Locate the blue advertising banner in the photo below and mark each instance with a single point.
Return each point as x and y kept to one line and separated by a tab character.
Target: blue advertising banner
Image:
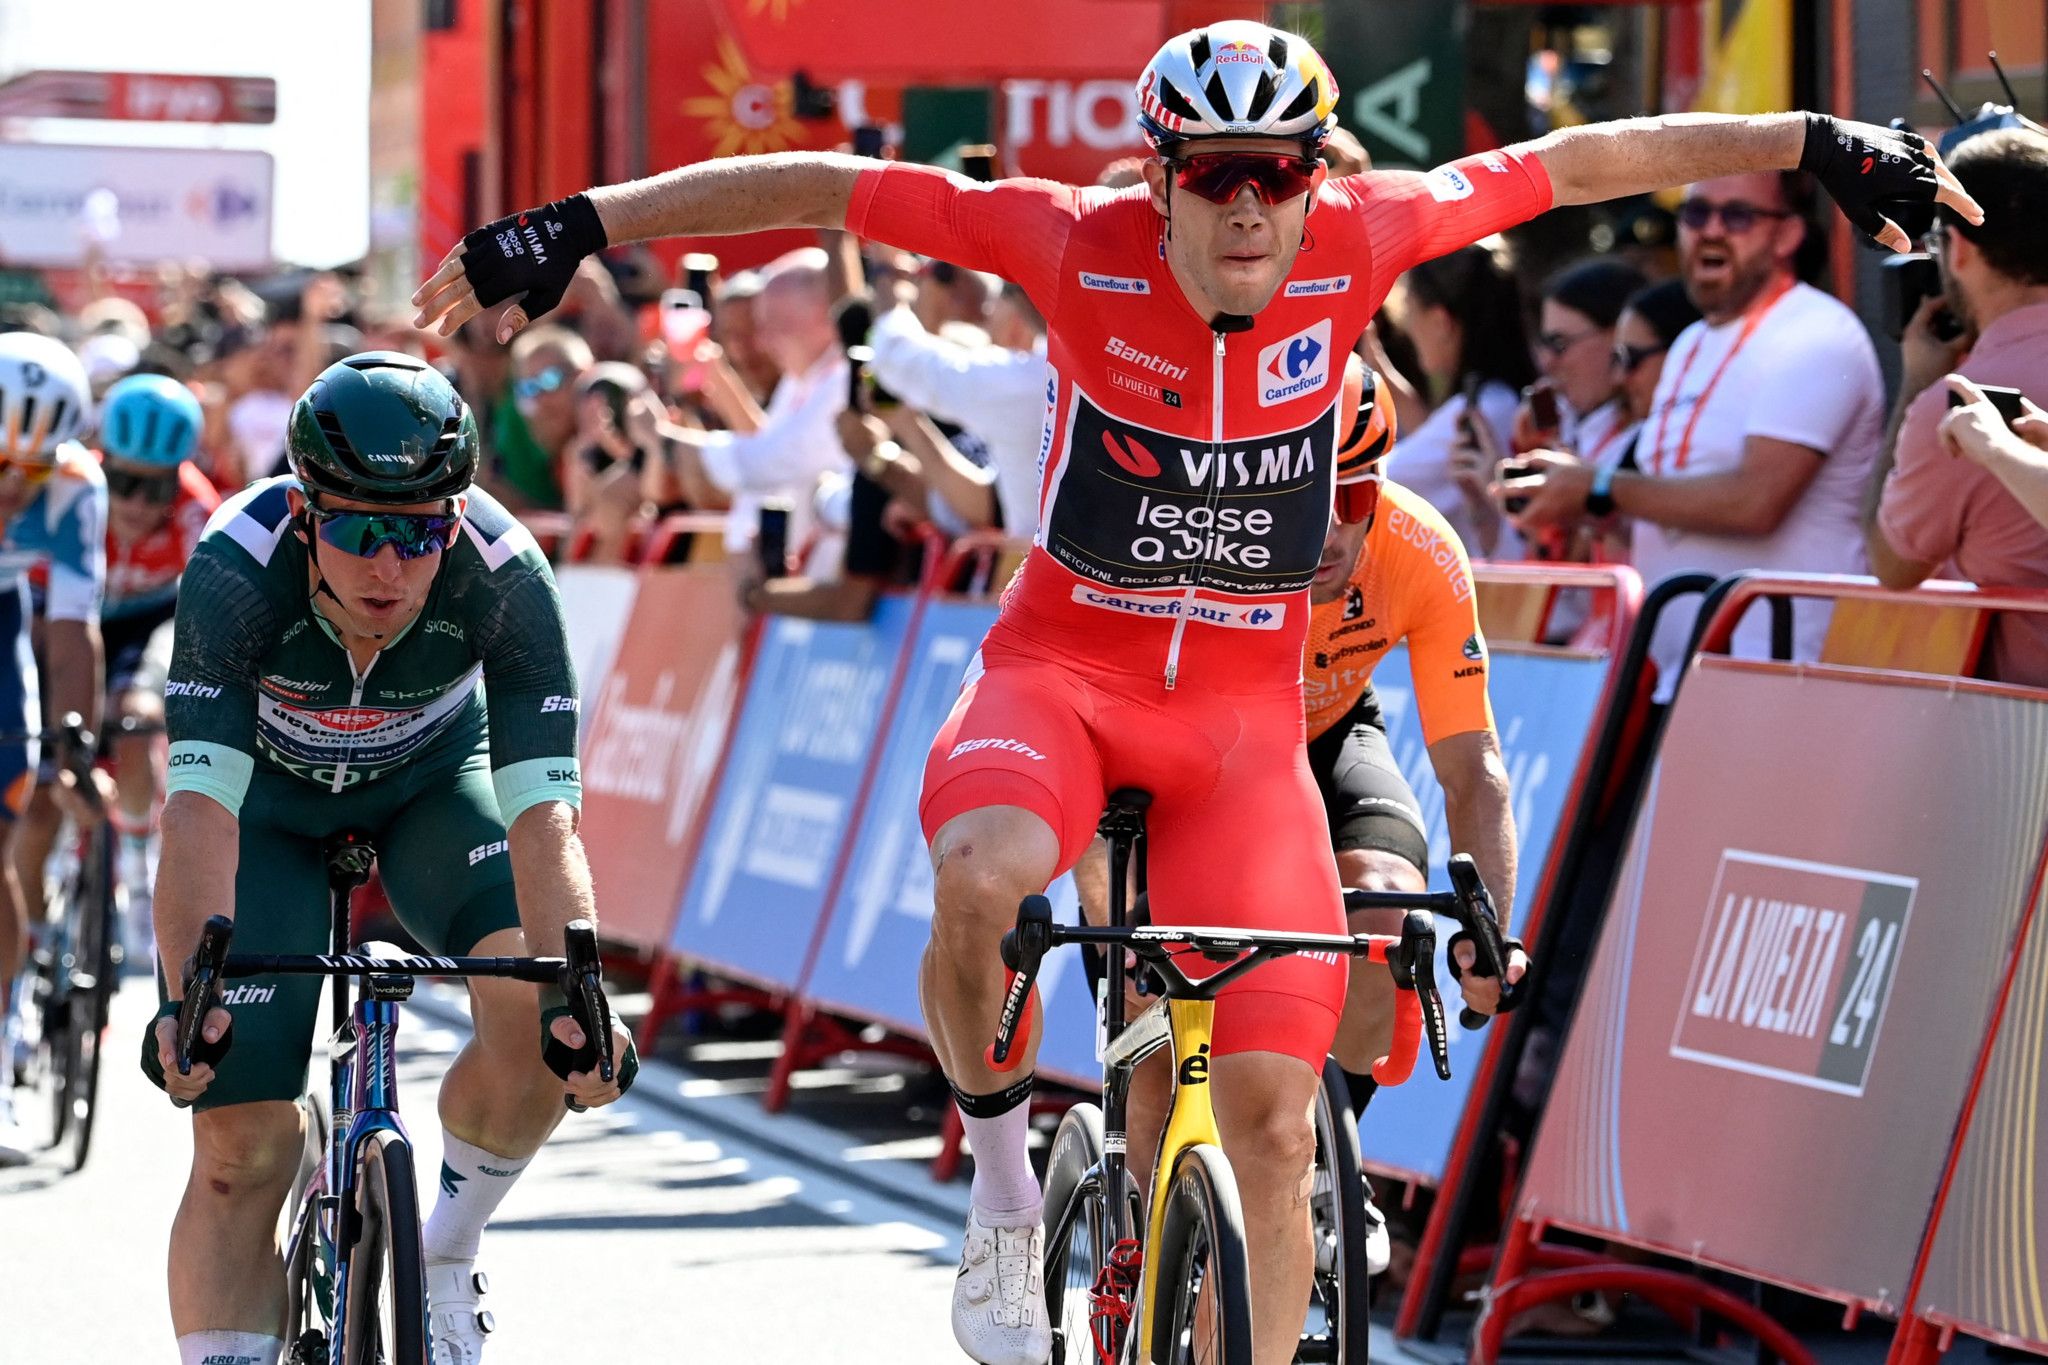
1543	707
812	712
882	917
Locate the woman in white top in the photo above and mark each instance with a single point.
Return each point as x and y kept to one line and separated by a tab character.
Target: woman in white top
1464	315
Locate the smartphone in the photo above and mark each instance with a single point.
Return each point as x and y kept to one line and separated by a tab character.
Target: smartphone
978	162
772	540
1543	407
700	271
857	358
1516	469
684	321
867	140
1908	280
2011	403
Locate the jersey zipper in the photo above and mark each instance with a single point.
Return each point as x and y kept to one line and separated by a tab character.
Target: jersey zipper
1187	600
355	700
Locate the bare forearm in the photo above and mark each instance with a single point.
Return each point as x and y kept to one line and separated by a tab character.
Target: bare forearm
968	489
1599	161
77	670
550	873
1482	824
732	195
2024	472
1722	504
196	877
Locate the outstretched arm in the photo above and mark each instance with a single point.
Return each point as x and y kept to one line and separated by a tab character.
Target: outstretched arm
1864	167
705	199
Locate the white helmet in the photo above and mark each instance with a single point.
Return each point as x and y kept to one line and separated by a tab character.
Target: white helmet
1237	78
45	398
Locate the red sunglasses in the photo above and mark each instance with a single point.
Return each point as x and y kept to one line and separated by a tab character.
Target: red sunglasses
1218	176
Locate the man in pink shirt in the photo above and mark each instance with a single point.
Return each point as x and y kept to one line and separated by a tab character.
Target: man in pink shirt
1938	513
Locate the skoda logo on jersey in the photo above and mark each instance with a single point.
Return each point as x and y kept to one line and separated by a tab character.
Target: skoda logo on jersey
1473	650
1296	366
1354	603
1130	456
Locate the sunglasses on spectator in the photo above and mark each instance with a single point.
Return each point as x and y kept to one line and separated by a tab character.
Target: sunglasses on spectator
1218	176
1628	359
1557	343
1735	215
31	471
533	386
160	489
414	535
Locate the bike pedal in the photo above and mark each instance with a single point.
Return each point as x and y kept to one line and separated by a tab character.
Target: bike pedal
486	1322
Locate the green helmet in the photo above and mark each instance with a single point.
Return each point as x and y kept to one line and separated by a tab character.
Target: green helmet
383	427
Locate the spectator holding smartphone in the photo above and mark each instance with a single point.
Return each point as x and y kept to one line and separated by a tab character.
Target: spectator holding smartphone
1932	512
1586	411
1763	430
1464	315
2016	452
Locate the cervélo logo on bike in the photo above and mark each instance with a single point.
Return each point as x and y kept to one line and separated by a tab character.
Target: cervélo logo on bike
1793	970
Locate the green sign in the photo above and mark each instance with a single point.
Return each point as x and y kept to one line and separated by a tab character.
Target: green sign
1400	73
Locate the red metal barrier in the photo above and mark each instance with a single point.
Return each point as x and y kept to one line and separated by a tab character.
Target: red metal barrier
1620	592
1919	1339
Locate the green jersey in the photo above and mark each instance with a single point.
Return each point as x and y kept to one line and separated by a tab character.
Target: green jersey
259	679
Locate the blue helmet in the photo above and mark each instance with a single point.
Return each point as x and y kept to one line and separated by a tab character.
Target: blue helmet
150	419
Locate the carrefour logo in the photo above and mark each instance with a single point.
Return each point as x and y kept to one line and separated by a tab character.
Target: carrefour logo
1294	367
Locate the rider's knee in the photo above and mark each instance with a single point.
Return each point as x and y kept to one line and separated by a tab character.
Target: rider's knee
1375	869
247	1149
1266	1118
976	893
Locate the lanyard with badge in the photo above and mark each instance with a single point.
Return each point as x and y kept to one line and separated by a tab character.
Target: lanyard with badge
1749	325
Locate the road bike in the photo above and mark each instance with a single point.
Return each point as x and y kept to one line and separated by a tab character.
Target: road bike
1160	1273
73	967
356	1291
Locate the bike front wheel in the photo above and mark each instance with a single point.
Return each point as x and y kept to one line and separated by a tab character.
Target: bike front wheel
89	990
1076	1228
385	1317
1339	1328
1202	1311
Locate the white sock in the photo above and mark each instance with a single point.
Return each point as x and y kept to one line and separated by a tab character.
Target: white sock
1005	1191
228	1348
473	1183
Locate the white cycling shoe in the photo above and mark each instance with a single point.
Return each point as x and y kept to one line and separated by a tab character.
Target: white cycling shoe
999	1315
457	1322
16	1148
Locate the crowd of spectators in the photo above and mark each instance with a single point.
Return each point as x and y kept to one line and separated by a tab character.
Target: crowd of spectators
1687	398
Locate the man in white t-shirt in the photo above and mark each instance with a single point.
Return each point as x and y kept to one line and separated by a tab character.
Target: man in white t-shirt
796	438
1763	431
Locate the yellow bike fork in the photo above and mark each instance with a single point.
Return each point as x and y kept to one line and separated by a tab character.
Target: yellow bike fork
1190	1119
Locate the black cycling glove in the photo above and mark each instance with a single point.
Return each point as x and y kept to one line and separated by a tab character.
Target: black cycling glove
203	1053
533	254
563	1059
1873	173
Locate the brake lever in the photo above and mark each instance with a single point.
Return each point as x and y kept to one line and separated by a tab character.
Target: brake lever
1418	945
583	984
208	962
1479	925
1024	949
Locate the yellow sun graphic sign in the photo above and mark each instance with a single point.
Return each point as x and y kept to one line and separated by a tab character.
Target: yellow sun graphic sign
777	10
744	114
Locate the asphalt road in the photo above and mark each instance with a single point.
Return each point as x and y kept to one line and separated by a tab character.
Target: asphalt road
682	1223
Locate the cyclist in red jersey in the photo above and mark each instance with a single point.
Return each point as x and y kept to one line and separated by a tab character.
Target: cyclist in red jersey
1198	326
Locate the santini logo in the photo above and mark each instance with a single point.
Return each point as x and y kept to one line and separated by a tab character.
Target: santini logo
1297	366
192	689
247	993
1114	284
1008	746
1145	360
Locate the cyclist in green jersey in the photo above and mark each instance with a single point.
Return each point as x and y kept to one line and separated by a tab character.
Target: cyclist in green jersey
371	644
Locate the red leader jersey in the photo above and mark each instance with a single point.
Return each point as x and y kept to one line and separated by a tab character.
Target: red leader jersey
1186	474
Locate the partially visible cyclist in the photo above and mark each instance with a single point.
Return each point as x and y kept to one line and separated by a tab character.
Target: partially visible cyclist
1154	636
369	643
53	508
157	506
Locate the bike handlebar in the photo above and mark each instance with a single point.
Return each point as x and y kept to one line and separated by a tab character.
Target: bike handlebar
1410	958
577	973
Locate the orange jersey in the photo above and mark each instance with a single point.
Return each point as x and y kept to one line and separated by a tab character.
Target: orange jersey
1412	582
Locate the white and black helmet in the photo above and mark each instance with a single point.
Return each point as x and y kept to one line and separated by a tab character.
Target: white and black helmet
45	398
1237	78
